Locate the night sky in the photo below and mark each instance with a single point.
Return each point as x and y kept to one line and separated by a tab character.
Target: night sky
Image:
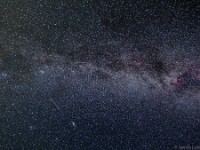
103	75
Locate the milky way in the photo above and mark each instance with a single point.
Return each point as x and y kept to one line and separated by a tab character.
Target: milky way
99	75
